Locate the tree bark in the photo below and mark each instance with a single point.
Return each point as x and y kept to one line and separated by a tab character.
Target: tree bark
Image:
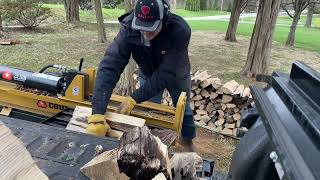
261	40
293	27
72	11
309	15
126	83
233	23
1	28
100	24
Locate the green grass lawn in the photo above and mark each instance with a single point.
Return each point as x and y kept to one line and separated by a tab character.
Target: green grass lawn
306	38
186	13
287	20
85	16
113	14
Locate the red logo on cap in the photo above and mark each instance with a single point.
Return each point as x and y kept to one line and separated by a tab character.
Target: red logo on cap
145	10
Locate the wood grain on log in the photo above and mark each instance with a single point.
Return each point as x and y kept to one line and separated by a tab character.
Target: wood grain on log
142	155
15	160
104	167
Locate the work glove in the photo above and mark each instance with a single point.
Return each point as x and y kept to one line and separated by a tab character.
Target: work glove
97	125
126	106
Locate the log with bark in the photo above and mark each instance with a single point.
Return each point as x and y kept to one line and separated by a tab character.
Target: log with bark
142	155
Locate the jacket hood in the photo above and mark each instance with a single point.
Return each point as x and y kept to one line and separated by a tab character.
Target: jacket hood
126	19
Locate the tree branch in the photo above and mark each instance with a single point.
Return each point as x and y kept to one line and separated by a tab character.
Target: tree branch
286	10
244	4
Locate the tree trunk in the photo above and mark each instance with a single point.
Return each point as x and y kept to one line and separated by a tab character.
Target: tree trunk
261	40
309	15
293	27
1	28
126	83
100	24
233	23
173	5
221	5
72	11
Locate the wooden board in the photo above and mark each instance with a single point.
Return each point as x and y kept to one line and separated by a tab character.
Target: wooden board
15	160
116	121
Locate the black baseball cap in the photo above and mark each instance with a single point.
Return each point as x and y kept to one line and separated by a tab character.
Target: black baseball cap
147	15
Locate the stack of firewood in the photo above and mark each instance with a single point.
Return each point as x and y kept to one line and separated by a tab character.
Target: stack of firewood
216	105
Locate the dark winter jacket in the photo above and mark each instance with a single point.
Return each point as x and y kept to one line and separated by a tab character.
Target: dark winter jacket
164	63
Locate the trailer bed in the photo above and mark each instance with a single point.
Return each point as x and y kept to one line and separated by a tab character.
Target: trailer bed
59	153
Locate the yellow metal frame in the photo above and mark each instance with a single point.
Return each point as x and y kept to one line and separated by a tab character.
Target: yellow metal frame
154	114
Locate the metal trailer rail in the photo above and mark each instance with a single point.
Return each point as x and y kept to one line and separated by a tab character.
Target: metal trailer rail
290	111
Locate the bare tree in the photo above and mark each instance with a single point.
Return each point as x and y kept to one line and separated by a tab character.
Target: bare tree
100	24
309	15
72	10
1	28
261	40
126	83
238	7
298	7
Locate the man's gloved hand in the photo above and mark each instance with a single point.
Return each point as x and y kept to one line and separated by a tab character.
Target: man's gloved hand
97	125
126	106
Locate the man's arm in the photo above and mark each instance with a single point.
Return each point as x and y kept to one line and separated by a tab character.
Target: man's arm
111	66
174	66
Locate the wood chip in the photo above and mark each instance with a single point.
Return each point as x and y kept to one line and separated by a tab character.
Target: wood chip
238	123
198	90
192	105
196	98
229	119
235	110
219	128
197	117
236	116
227	131
246	92
239	90
210	108
194	86
211	124
221	114
230	126
204	93
229	87
201	112
230	106
213	95
226	99
223	107
219	122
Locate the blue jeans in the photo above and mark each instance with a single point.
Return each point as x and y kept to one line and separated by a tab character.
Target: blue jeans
188	131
